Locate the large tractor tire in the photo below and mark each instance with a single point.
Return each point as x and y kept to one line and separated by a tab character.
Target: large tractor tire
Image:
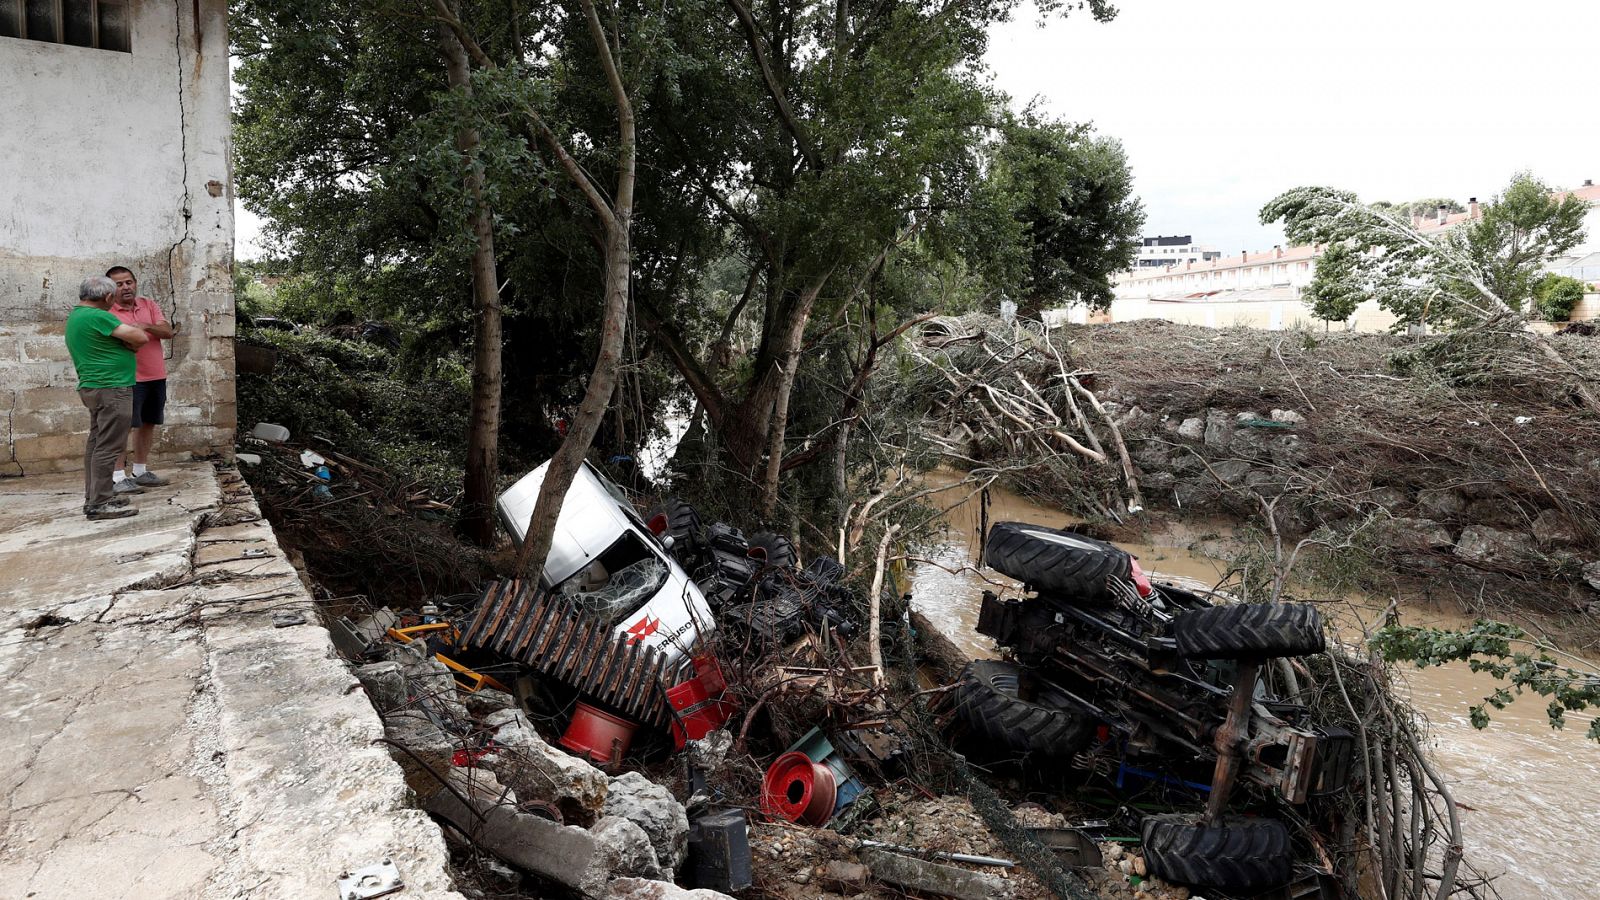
990	700
779	551
1250	631
683	526
1069	566
1243	855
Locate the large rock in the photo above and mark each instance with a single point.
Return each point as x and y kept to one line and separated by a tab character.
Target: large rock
1219	427
1193	429
1488	546
385	683
538	771
1233	472
1441	503
1412	535
622	850
427	678
1591	574
1494	511
429	750
653	808
1554	529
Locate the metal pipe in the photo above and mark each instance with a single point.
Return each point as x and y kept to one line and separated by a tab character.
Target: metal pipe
940	854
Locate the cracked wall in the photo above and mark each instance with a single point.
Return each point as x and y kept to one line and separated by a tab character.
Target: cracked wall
117	158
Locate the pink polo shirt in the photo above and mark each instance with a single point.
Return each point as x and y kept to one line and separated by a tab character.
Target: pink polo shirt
150	363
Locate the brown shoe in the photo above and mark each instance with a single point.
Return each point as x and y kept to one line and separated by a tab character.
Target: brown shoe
107	511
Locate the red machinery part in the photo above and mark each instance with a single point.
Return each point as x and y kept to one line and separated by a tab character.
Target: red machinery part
598	734
799	790
1141	581
698	703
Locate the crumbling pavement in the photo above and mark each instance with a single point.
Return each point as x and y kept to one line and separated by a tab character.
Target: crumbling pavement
167	737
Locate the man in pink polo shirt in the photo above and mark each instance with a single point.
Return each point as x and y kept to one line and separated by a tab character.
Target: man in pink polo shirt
150	380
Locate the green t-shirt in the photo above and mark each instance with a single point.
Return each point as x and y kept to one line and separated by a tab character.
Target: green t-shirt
102	361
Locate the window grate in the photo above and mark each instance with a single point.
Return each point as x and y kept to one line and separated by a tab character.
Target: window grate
99	24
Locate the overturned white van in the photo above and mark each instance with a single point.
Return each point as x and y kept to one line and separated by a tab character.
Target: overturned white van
606	558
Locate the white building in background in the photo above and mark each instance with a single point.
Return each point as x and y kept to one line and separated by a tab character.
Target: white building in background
1163	251
114	150
1261	289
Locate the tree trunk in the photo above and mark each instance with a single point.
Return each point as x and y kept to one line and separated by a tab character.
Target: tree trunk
483	428
788	358
617	220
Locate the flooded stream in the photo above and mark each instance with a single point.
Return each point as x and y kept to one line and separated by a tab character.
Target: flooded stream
1530	795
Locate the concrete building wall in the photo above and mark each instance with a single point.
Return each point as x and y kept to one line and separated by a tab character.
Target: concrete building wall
113	158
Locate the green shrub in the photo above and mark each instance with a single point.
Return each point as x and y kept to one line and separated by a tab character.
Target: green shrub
1557	296
366	402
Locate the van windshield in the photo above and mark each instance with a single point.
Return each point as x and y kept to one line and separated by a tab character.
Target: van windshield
618	581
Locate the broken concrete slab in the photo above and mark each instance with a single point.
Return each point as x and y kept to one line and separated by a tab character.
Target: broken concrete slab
644	889
538	771
477	805
933	878
622	850
165	739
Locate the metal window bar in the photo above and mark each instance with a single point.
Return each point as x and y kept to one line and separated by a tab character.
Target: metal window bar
52	21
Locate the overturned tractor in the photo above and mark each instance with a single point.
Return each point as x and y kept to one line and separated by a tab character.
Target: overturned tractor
1108	671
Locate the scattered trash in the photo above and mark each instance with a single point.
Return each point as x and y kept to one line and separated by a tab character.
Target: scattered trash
272	434
376	880
311	459
287	620
247	459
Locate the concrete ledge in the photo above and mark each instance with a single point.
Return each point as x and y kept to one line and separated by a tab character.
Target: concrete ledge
167	739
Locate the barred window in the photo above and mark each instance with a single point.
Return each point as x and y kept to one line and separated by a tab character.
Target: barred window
82	23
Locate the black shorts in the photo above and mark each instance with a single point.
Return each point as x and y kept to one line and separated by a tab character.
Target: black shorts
149	402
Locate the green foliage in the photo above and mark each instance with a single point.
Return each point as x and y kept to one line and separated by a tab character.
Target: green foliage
1557	295
1478	271
1490	647
1426	207
1071	194
365	403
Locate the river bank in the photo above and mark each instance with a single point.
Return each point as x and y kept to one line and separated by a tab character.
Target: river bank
1530	795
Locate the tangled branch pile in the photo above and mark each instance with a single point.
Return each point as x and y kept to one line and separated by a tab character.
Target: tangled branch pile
1009	392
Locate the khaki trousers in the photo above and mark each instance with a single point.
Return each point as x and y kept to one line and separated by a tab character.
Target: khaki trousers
110	414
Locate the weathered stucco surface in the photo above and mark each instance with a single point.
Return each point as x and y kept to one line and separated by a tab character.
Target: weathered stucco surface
116	158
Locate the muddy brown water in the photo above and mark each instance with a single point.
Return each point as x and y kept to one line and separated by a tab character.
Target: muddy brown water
1530	795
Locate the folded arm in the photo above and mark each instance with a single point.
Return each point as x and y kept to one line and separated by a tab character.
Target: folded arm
133	337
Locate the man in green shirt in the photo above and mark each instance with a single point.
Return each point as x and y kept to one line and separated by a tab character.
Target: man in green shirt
102	351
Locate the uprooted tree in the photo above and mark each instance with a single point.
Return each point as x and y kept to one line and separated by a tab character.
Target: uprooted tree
1480	273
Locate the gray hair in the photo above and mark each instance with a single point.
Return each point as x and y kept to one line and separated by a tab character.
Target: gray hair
96	287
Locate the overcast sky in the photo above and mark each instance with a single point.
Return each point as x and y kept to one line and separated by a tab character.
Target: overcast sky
1224	104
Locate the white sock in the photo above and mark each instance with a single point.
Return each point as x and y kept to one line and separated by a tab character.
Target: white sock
118	475
139	469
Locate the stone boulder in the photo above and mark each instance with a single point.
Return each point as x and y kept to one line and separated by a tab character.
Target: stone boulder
653	808
1412	535
1489	546
1441	503
1554	529
385	683
1591	574
1193	429
622	850
538	771
1219	427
